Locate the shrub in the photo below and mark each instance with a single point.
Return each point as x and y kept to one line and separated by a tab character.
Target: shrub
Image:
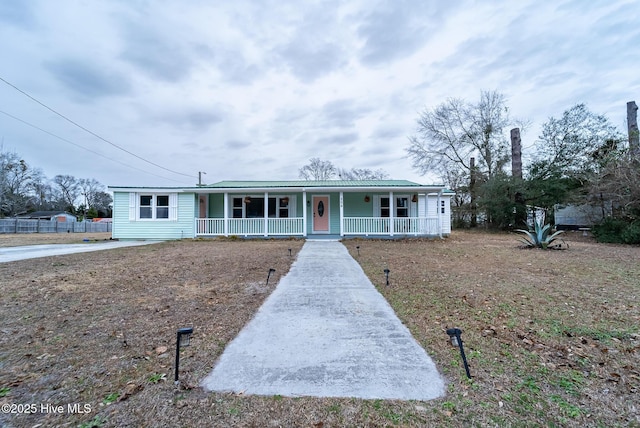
617	231
540	237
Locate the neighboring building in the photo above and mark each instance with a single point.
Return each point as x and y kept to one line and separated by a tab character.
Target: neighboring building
573	217
60	216
333	208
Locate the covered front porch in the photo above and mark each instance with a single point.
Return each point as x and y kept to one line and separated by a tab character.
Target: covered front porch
320	212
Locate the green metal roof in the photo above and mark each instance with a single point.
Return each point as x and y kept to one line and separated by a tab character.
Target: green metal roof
313	183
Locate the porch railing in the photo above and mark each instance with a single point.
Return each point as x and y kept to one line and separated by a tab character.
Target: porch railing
249	226
381	226
417	226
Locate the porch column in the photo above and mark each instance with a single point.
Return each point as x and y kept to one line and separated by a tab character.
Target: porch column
304	213
439	208
341	213
225	214
266	214
392	209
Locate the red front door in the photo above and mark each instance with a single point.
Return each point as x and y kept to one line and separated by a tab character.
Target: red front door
321	214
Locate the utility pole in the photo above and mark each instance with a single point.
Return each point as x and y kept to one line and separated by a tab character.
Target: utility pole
200	177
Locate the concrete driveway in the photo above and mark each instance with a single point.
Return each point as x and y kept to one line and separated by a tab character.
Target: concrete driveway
10	254
326	332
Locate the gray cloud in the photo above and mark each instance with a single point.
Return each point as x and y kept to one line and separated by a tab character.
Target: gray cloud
339	139
397	29
17	13
155	53
308	59
317	45
342	113
88	80
237	144
197	120
234	67
387	133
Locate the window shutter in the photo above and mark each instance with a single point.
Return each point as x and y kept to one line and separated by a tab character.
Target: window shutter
133	206
173	206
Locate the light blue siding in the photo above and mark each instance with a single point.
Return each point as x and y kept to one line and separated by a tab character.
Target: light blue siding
183	227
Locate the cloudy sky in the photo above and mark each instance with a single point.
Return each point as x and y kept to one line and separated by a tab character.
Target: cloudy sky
254	89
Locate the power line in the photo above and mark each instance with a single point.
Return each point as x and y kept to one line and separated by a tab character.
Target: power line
91	132
82	147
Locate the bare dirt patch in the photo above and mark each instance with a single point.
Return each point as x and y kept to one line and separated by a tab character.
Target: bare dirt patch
551	336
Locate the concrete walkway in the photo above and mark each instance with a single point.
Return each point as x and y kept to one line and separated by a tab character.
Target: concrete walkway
325	331
11	254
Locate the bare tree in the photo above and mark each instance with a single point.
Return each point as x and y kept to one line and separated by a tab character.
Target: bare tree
573	145
318	169
89	188
68	191
15	184
362	174
452	133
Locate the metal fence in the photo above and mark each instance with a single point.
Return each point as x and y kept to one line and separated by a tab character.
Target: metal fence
15	225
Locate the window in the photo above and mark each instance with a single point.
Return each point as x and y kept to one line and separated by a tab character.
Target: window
237	208
253	207
162	206
402	206
283	208
442	207
384	207
153	207
146	206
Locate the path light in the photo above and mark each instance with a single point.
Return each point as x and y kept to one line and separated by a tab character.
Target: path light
456	340
271	270
183	338
289	252
358	248
386	273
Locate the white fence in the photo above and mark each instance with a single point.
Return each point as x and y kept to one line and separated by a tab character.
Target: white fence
15	225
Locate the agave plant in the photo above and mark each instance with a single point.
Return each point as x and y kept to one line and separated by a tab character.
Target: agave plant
541	236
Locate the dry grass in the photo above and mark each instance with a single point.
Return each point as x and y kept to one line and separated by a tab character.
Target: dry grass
16	239
551	336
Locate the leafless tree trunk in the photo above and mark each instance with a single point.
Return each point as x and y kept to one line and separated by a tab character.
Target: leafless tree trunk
472	192
632	125
516	154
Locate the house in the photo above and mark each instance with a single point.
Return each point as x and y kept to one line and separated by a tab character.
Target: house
60	216
310	209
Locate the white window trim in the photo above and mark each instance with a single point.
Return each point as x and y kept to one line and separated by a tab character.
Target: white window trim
134	206
292	204
411	208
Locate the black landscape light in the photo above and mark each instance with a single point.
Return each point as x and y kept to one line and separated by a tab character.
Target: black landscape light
456	340
386	273
358	248
183	338
289	252
271	270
